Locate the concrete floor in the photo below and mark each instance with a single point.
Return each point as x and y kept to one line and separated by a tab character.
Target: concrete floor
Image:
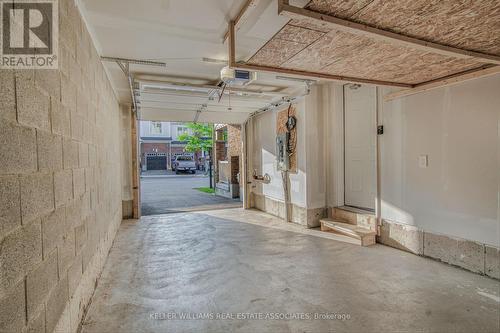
173	194
233	262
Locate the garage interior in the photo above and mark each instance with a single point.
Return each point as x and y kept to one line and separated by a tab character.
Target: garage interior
369	169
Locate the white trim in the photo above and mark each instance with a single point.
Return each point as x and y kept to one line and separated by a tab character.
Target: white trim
338	145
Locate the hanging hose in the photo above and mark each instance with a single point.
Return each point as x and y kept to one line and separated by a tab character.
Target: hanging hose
290	150
284	178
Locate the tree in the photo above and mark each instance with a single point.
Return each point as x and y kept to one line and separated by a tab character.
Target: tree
200	139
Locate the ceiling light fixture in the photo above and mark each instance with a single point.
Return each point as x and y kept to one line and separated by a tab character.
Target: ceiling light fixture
296	79
214	61
135	61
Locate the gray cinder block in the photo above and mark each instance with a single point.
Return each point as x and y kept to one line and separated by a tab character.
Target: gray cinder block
32	103
75	271
68	93
54	229
66	253
63	187
76	126
83	153
10	209
459	252
403	237
80	237
13	313
492	261
470	255
37	324
440	247
49	80
19	252
7	94
56	303
13	140
37	196
49	147
78	182
60	118
39	283
70	153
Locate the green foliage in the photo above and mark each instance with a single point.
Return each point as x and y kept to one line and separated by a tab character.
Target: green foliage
205	189
201	139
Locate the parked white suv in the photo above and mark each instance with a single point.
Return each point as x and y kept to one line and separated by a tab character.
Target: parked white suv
184	163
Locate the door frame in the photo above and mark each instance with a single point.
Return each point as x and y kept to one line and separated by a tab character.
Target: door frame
136	172
338	140
376	147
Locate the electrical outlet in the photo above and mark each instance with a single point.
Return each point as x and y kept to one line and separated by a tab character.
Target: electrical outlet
423	161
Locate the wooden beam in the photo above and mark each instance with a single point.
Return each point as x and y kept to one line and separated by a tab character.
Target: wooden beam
323	76
482	71
231	45
241	14
336	23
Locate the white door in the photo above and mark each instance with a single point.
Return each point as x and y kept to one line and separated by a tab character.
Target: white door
360	130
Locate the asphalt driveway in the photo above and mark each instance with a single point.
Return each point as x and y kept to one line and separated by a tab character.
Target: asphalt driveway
173	194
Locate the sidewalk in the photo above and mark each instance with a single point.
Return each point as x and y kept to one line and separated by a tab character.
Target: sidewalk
170	173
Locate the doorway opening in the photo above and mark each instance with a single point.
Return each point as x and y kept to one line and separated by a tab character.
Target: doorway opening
184	167
360	146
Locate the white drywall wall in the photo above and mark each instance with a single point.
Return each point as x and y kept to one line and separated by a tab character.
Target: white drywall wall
457	127
264	157
315	148
126	151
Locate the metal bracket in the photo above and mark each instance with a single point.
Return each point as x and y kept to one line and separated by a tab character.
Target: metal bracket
380	129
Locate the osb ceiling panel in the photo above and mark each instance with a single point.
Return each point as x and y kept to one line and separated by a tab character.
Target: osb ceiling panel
342	9
353	55
307	45
467	24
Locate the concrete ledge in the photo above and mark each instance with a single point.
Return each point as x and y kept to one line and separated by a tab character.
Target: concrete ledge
492	261
400	236
467	254
300	215
459	252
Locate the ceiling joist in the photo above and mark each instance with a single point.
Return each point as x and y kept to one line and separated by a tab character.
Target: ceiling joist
244	12
486	70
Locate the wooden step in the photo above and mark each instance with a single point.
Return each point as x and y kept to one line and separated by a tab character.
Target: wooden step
366	237
355	216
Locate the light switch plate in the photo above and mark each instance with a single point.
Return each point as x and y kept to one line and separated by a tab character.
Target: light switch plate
423	161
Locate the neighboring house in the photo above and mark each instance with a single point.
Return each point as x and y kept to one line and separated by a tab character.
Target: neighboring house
160	144
227	160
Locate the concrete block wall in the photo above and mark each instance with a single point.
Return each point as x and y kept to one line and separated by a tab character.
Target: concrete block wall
467	254
60	194
233	140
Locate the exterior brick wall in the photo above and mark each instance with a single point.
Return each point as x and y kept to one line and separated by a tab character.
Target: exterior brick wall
164	148
60	192
234	150
155	148
233	140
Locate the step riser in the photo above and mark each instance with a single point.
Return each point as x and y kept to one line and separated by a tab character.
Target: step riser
362	220
364	240
367	241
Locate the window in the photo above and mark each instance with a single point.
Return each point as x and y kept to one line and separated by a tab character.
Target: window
181	130
155	127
